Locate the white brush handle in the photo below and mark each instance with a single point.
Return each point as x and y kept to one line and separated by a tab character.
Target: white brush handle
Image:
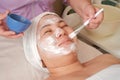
74	33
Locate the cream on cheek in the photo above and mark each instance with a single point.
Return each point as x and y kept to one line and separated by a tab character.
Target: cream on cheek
49	45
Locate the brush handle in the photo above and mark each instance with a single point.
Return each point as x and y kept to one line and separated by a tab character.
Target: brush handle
73	34
98	12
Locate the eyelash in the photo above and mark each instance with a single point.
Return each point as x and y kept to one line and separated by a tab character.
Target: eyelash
47	31
64	26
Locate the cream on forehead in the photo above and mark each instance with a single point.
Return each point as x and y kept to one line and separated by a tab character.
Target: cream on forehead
50	21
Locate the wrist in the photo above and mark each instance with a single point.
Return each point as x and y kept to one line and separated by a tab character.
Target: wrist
66	1
82	3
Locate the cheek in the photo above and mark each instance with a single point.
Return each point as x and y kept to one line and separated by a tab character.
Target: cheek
47	42
40	52
69	30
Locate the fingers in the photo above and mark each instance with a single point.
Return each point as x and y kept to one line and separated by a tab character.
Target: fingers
93	26
6	13
3	15
95	22
0	22
11	34
15	36
4	31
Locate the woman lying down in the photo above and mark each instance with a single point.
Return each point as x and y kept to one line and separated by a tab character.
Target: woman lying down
48	48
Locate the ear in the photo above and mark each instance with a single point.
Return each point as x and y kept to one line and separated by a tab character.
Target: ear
43	64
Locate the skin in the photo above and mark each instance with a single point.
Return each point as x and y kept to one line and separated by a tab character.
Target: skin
83	7
68	67
4	31
86	10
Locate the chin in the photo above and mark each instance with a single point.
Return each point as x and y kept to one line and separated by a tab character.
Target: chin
69	49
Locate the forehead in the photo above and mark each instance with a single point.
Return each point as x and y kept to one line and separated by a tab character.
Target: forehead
49	19
49	16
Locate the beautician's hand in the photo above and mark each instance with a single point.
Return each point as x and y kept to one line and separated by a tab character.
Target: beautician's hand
86	10
4	31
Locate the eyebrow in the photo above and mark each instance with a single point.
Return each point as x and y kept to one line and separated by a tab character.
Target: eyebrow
50	24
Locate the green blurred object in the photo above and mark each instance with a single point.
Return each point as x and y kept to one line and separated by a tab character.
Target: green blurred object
71	11
105	2
108	2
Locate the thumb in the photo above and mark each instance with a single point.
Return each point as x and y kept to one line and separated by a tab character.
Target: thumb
8	33
91	13
4	15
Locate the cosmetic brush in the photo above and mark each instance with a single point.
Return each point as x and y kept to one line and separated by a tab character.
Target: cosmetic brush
74	33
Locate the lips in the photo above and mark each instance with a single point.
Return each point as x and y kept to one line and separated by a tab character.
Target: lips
64	41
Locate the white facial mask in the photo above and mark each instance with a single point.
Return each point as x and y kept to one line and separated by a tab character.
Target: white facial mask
51	21
49	45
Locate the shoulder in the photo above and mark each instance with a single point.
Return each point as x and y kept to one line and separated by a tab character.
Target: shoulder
108	57
105	59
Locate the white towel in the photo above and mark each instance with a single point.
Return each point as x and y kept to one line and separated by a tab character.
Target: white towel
30	43
110	73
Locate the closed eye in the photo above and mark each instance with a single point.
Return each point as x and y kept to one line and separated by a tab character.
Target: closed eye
64	26
47	31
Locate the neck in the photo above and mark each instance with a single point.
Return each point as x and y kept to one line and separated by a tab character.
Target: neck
60	71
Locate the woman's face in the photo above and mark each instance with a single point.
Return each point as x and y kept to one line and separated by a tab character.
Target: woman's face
53	36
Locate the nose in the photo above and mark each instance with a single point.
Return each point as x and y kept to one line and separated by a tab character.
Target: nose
59	32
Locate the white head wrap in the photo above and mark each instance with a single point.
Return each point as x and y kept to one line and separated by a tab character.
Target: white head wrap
30	43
